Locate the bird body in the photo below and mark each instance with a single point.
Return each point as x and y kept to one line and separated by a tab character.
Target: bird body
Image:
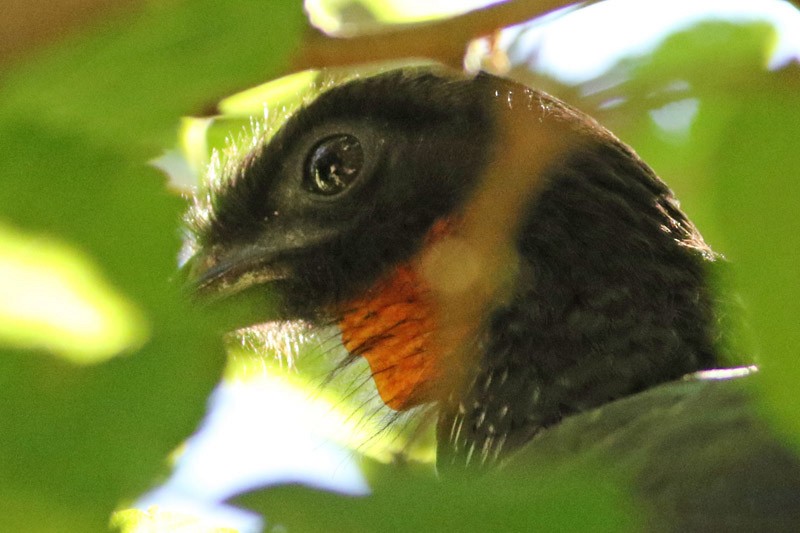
693	453
487	249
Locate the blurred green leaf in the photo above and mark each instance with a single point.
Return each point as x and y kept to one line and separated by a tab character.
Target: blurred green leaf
551	499
53	299
78	125
757	167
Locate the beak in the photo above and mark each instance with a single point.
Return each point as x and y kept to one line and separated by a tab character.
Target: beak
237	285
225	272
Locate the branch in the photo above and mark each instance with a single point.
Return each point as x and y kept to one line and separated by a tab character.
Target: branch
444	41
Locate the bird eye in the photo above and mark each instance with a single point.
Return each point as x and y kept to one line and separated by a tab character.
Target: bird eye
334	163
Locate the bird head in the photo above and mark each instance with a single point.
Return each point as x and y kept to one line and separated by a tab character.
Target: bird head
484	246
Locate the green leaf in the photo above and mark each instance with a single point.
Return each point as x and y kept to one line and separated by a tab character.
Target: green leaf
758	170
552	499
78	124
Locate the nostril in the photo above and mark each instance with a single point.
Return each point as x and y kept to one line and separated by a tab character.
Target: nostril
192	273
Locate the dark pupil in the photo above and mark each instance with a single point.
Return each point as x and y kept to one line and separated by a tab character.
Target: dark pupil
333	164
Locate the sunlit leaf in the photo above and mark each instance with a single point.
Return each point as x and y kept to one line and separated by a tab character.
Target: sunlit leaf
78	124
51	298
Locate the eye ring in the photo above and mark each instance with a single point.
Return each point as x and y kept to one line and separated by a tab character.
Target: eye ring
333	164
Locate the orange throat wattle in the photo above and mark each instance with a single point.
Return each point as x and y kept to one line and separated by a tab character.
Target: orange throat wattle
393	328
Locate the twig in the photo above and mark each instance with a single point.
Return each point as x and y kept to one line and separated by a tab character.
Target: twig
444	41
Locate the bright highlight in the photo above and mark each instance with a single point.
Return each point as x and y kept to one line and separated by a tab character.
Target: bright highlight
53	299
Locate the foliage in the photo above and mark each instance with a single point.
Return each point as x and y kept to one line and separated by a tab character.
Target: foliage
79	123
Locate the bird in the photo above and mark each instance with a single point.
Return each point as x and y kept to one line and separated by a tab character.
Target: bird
495	253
